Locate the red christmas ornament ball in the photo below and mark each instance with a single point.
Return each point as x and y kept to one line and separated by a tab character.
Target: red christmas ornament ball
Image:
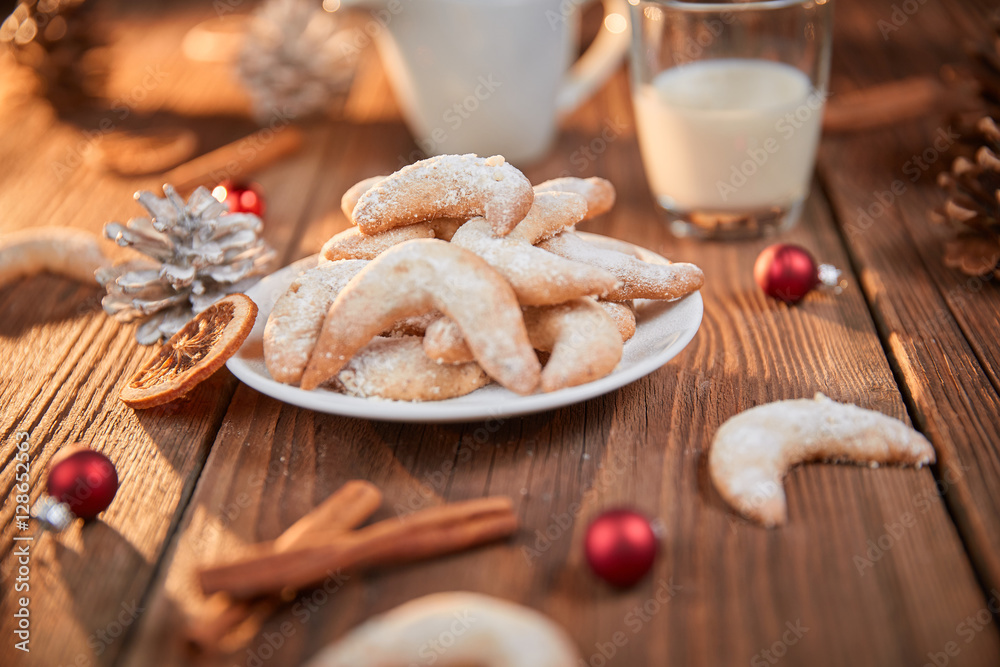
620	546
786	271
241	197
83	479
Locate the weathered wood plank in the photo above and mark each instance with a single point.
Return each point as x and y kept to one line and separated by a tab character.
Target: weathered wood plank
727	588
731	587
938	324
65	361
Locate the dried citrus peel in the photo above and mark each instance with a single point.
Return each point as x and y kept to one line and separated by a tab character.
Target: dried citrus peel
193	353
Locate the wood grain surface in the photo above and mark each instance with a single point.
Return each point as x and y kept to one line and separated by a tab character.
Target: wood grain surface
874	567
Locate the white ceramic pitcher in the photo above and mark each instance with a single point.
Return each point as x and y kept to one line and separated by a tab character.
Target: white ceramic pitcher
491	76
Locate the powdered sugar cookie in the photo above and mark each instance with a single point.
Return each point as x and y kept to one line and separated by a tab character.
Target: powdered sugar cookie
297	318
443	228
538	277
398	369
412	326
584	341
413	278
447	186
74	253
753	451
624	247
350	198
494	633
599	193
637	279
352	244
445	344
551	213
623	314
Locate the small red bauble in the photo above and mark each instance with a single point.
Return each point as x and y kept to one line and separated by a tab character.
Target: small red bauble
83	479
620	546
787	272
241	197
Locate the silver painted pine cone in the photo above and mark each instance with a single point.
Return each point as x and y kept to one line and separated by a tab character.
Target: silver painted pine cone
199	253
296	59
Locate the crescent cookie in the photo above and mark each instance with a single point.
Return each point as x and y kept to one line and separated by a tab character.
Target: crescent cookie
753	451
623	313
412	326
637	279
447	186
584	341
297	318
73	253
350	198
538	277
551	213
624	247
413	278
445	344
599	193
398	369
352	244
490	632
444	228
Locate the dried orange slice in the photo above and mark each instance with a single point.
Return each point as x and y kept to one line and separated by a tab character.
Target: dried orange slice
193	353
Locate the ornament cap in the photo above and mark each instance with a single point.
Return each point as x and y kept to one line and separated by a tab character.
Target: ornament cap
829	278
52	514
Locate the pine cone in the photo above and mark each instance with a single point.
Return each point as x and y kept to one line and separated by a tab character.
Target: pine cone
973	206
295	59
57	39
986	60
200	253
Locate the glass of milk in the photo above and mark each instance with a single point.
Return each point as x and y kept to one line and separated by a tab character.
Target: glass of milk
729	99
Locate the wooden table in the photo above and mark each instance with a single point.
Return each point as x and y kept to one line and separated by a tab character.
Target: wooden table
874	567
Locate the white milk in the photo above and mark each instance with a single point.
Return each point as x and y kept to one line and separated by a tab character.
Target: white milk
729	135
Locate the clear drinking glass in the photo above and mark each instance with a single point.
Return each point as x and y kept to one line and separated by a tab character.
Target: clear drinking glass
729	99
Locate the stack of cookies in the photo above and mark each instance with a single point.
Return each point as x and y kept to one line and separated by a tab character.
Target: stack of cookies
457	273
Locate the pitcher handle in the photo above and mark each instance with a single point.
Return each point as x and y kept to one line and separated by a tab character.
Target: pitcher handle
600	60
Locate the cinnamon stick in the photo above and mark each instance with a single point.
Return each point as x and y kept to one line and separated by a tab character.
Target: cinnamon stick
345	509
893	102
237	159
431	532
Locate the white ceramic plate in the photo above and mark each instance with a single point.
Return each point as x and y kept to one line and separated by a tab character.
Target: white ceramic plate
662	331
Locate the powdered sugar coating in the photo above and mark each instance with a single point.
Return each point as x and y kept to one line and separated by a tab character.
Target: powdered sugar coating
350	198
538	277
490	633
599	193
753	451
624	247
551	213
447	186
623	313
445	344
74	253
637	279
398	369
413	278
297	318
352	244
584	341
